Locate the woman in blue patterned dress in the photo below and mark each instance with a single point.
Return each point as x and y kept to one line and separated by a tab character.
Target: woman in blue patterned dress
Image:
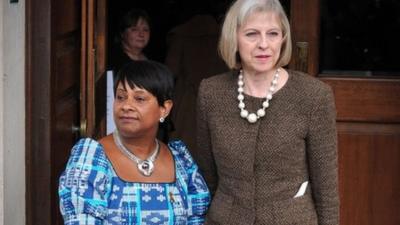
129	177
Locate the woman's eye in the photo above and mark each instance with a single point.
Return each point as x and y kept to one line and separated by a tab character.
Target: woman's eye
140	98
251	34
274	33
120	97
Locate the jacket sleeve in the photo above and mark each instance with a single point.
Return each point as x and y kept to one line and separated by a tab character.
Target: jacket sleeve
83	185
322	158
205	159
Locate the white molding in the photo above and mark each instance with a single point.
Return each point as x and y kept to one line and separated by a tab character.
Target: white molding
1	119
13	107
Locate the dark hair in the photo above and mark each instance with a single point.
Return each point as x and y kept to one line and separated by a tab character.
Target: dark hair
152	76
131	18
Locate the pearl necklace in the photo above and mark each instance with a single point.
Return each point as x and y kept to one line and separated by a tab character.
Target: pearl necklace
253	117
146	166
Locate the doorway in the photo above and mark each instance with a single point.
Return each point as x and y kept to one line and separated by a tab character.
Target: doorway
164	16
368	107
64	78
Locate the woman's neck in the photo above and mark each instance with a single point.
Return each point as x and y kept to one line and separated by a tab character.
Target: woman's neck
257	84
133	53
141	147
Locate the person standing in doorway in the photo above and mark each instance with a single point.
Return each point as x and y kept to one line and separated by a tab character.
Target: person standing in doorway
130	176
266	134
132	38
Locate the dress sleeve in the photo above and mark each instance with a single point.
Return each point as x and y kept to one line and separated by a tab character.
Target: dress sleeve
322	158
83	185
198	195
206	158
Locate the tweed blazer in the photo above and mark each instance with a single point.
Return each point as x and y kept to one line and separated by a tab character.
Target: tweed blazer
255	170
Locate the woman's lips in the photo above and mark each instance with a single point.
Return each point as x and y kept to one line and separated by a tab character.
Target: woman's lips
127	118
263	56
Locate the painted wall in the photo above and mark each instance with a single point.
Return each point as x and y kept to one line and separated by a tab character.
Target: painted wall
12	106
1	119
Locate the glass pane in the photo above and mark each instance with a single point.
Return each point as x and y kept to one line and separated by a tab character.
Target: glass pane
360	37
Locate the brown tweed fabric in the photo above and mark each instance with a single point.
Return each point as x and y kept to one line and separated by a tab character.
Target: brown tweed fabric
255	170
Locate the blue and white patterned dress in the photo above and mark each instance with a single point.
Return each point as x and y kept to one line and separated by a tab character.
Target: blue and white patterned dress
91	193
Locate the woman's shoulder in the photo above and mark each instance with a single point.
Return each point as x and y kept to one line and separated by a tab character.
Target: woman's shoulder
87	145
178	147
308	82
87	150
85	183
180	152
218	84
309	90
219	78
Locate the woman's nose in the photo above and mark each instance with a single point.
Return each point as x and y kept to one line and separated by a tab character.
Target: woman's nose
141	33
128	105
263	42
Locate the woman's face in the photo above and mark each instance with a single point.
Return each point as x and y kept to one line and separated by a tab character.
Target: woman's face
137	36
259	42
136	111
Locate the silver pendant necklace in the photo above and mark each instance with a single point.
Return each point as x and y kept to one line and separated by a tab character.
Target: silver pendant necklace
253	117
145	167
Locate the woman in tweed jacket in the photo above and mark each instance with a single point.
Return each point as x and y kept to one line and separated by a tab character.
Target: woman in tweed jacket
267	134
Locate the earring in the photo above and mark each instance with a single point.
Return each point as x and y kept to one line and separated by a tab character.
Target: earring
162	119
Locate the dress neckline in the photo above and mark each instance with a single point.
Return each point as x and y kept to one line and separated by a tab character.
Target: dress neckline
277	93
114	172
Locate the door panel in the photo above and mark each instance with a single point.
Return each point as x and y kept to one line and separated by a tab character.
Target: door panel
65	85
368	119
366	99
369	164
67	19
58	96
93	69
66	64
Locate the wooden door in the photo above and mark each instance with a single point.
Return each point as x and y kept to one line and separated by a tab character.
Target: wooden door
368	122
65	62
93	67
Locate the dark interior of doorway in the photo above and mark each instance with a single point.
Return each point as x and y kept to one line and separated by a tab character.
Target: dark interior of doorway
165	15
